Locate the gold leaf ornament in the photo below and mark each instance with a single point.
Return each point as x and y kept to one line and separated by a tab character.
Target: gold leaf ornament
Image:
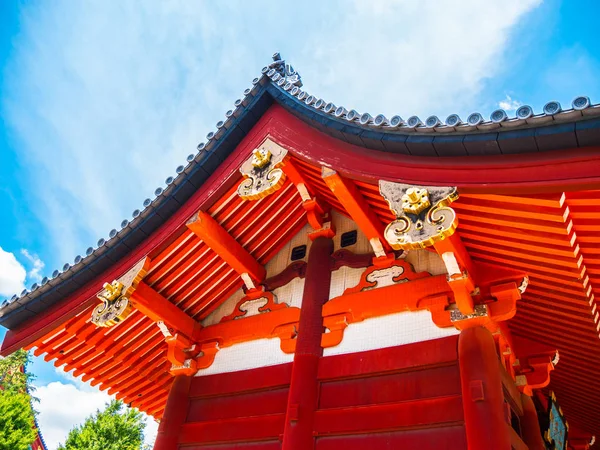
114	308
423	216
262	172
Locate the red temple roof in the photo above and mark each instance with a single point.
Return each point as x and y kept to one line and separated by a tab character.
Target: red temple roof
521	206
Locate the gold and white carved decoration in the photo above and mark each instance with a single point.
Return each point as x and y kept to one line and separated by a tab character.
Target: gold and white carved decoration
479	311
385	277
524	284
255	302
262	171
423	216
394	272
116	306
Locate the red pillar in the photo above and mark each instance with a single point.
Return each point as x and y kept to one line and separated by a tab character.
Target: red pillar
303	395
483	398
530	426
174	415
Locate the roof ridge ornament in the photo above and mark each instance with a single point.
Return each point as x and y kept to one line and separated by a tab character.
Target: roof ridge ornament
286	71
423	216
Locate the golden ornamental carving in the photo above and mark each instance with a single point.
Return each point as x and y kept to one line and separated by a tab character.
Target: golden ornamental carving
116	306
423	216
415	200
262	172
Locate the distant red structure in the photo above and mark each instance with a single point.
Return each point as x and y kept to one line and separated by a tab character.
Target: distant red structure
316	278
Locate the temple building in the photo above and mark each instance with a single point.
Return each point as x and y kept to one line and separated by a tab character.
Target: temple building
318	278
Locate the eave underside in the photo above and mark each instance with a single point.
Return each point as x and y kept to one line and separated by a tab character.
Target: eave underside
551	236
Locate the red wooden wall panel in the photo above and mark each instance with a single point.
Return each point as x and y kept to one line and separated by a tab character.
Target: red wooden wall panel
244	410
265	445
447	438
434	352
394	387
388	416
258	403
399	397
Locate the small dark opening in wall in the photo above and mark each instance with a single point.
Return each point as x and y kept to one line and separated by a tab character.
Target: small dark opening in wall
348	238
298	252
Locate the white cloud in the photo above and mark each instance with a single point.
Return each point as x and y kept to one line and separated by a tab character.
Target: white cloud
509	104
108	98
12	274
65	405
35	273
406	57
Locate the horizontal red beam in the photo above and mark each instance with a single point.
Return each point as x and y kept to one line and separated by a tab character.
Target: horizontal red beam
441	438
403	415
238	429
405	357
241	381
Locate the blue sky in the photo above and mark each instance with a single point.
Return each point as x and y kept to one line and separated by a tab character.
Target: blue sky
99	103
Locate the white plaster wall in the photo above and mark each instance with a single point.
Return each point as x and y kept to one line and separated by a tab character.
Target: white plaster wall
389	331
224	309
342	279
247	355
283	258
426	261
344	224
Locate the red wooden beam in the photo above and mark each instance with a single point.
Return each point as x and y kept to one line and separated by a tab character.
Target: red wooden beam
159	309
224	245
354	203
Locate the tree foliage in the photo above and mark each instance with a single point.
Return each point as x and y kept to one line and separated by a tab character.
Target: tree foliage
16	414
111	429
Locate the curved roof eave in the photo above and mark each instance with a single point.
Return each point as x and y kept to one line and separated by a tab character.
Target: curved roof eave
555	129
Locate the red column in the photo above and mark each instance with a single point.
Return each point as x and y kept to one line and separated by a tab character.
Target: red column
303	395
530	426
174	415
483	398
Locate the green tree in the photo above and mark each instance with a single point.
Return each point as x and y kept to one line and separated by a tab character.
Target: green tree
16	413
111	429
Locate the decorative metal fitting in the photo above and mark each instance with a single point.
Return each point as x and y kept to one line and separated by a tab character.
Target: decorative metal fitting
262	172
479	311
114	308
261	157
423	216
415	200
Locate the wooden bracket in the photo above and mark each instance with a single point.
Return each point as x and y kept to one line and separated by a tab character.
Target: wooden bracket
281	323
179	350
392	286
533	364
258	299
386	290
358	209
